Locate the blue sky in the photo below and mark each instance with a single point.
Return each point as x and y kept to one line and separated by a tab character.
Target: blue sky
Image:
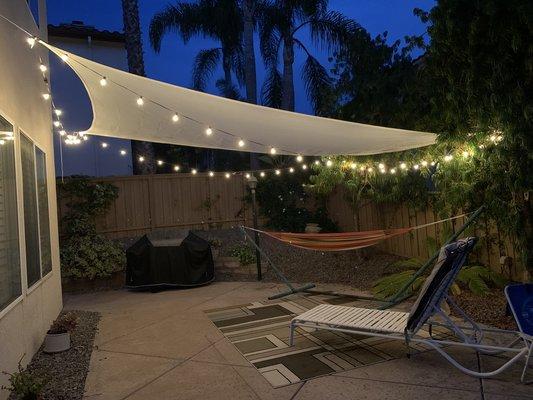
173	64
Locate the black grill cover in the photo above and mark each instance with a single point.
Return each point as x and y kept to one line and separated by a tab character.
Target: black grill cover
182	261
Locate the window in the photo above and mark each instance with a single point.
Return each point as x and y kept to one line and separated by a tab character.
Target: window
10	285
36	218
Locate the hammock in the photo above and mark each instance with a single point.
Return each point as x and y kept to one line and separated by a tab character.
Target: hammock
343	241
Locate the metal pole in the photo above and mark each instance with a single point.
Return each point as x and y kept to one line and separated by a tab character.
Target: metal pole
256	236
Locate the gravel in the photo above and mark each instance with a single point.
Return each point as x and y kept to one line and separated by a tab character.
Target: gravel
65	372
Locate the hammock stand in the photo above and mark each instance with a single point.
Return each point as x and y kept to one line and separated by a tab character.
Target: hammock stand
399	297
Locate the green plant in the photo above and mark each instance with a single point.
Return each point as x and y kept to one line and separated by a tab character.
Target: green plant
64	323
84	252
25	385
244	253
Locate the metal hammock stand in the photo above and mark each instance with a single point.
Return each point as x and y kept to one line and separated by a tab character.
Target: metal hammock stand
399	297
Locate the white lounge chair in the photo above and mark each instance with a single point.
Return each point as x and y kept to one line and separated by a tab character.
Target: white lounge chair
405	326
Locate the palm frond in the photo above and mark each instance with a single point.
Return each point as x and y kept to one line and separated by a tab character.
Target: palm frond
238	65
318	84
228	90
332	30
270	28
272	89
205	63
162	23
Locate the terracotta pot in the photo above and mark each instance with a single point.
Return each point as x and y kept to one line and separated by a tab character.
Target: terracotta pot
56	342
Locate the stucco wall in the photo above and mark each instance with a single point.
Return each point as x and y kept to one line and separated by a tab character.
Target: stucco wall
87	158
24	322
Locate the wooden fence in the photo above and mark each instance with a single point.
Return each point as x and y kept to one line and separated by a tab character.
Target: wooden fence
183	201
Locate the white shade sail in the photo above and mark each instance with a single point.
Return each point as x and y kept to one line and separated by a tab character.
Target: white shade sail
116	113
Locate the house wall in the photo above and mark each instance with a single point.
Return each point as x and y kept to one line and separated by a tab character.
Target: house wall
87	158
24	322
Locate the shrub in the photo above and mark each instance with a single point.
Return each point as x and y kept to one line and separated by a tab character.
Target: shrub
25	385
64	323
244	253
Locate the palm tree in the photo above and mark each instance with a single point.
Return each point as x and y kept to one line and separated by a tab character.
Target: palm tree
134	51
220	20
281	22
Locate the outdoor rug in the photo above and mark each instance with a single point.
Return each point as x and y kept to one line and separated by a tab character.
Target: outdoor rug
260	331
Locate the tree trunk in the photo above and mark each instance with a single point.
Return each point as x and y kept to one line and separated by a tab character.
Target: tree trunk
133	43
250	74
287	100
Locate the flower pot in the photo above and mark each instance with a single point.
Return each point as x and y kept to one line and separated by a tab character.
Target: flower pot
56	342
215	253
312	228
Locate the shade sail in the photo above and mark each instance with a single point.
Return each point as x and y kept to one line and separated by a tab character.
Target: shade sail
117	114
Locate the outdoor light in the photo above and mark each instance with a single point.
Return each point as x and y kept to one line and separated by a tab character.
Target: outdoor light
177	168
381	166
43	67
241	143
57	123
299	158
278	172
362	168
175	118
432	163
31	41
448	157
317	162
247	176
85	137
122	152
304	166
416	166
465	154
383	170
403	166
2	142
329	163
262	175
194	171
211	174
370	169
64	57
353	165
227	175
159	162
58	112
103	81
104	145
393	171
209	131
46	96
273	150
141	159
62	132
291	170
424	163
140	101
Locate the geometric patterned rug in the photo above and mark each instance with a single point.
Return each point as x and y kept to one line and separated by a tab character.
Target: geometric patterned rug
260	332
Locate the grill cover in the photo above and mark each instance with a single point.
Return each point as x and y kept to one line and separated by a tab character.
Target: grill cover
185	260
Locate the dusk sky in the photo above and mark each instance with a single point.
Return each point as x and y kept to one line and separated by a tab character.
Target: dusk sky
173	64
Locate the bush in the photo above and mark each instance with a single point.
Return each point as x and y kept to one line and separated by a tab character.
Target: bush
24	385
64	323
85	253
244	253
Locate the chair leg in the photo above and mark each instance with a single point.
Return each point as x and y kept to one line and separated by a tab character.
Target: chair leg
526	366
291	336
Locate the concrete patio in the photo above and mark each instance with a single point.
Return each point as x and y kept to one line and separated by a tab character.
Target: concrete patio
162	346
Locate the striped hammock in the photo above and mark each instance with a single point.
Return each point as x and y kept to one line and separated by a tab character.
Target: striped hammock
346	240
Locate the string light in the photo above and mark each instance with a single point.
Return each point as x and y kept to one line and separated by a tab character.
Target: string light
362	168
262	174
370	169
141	159
194	171
424	163
247	176
85	137
31	41
104	145
177	168
140	101
57	124
211	174
393	171
209	131
46	96
58	112
103	81
159	162
448	157
278	172
381	166
175	118
122	152
227	175
299	158
241	143
304	167
291	170
317	162
273	150
416	167
43	67
2	142
62	132
329	163
353	165
403	166
465	154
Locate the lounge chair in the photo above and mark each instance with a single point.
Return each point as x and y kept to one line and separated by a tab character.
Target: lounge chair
405	326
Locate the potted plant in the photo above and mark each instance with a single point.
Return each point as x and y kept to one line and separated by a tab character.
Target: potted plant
58	336
23	385
215	247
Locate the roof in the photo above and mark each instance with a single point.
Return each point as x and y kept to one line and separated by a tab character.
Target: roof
78	30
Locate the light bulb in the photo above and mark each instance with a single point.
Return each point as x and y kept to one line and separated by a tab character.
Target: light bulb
424	163
43	67
448	157
393	171
227	175
403	165
194	171
211	174
58	112
262	174
176	168
31	41
122	152
353	165
362	168
370	169
273	150
299	158
140	101
381	166
329	163
383	170
175	118
64	57
104	145
278	172
62	132
209	131
57	123
465	154
103	81
46	96
241	143
159	162
141	159
291	170
432	163
304	167
247	176
85	137
416	166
